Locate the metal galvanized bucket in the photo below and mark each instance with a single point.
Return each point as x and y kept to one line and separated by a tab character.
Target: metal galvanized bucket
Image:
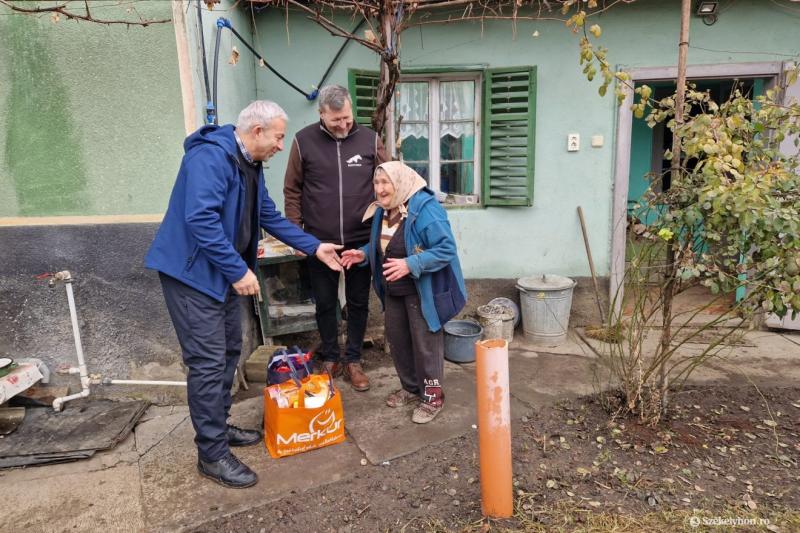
546	301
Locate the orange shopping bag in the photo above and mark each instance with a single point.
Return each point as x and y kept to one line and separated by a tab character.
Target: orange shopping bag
292	427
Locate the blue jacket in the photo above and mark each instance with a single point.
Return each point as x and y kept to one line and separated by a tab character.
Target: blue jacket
195	241
431	247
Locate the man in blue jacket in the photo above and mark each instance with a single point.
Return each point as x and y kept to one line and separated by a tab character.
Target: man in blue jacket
205	252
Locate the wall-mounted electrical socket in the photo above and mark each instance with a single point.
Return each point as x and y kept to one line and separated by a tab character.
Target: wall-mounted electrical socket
573	142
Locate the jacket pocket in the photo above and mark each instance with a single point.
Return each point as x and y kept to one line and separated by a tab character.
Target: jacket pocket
447	297
445	306
192	258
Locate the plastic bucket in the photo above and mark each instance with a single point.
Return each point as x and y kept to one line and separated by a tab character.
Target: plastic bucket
460	337
546	302
497	321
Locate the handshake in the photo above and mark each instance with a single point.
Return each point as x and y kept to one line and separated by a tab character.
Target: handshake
393	268
352	257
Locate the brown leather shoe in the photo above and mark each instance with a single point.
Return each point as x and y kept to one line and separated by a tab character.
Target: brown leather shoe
354	373
332	367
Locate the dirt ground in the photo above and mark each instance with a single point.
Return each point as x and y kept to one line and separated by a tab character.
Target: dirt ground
725	454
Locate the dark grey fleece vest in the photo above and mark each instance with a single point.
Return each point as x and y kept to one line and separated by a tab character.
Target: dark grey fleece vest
337	182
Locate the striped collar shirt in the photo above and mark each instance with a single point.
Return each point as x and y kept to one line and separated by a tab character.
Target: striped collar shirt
245	153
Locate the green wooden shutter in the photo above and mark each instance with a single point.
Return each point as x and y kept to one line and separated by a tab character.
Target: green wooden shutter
509	118
364	92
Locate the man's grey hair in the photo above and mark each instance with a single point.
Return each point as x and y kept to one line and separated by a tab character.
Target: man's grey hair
259	113
333	97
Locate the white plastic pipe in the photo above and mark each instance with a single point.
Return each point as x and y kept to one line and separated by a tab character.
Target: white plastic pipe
142	382
58	403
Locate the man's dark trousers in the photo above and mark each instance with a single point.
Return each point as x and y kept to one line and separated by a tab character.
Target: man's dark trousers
325	287
210	335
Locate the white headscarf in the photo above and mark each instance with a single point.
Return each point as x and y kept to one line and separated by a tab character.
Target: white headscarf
406	182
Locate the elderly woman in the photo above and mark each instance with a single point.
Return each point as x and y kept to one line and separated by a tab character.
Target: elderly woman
419	282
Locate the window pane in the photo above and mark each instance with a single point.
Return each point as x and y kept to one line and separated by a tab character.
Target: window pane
457	178
414	142
421	167
412	101
457	141
457	100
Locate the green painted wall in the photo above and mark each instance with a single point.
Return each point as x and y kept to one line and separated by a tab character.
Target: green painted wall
91	121
545	237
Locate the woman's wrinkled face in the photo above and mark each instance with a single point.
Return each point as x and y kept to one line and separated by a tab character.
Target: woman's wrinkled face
384	189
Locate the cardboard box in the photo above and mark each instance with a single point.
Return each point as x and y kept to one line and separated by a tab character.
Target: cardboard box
21	378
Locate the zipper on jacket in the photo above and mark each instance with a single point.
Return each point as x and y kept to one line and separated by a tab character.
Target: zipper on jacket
341	197
190	260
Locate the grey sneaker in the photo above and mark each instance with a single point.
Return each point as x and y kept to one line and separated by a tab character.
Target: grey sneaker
400	398
425	412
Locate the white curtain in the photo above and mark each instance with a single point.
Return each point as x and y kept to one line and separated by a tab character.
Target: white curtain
457	102
412	104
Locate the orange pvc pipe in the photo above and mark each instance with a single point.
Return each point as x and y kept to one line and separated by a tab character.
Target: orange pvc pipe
494	428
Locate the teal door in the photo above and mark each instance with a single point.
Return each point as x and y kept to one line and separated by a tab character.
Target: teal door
648	168
647	165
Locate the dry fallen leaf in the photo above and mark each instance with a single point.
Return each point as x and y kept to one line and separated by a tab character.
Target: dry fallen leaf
594	503
744	408
551	484
234	56
770	423
369	35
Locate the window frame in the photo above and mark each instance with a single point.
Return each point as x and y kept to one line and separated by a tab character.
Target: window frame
434	78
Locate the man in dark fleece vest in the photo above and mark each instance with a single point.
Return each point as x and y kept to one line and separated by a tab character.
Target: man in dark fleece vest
205	252
327	188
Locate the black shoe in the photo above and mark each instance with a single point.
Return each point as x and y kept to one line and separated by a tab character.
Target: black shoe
228	471
242	437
